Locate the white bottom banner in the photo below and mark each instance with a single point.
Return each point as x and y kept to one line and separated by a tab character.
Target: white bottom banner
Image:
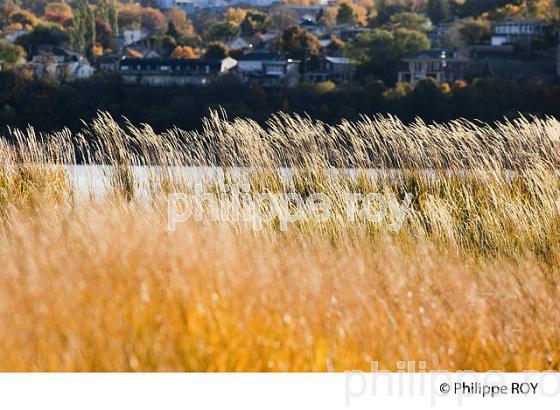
350	390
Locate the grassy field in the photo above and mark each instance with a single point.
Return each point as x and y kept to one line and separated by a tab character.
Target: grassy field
469	281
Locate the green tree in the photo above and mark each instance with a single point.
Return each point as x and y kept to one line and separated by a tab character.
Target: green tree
475	31
77	33
254	22
411	21
43	34
89	23
378	52
438	10
10	53
221	31
113	17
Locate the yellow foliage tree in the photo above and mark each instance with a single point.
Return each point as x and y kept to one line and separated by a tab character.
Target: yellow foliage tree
235	15
184	53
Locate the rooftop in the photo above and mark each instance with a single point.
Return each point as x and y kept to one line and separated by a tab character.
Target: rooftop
434	53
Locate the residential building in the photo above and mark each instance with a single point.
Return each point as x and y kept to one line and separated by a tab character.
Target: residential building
347	32
335	69
439	32
61	64
268	69
514	69
238	43
131	36
108	63
443	65
12	35
300	11
167	72
513	31
190	6
313	27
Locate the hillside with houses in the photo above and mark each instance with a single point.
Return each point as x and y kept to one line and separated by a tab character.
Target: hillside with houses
268	47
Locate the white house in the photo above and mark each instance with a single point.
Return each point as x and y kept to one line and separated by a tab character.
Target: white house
511	31
238	43
61	64
131	36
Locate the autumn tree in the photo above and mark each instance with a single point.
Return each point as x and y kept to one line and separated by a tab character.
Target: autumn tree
235	15
153	21
179	26
327	16
335	46
345	14
298	44
216	51
103	33
184	53
60	13
130	16
23	17
5	10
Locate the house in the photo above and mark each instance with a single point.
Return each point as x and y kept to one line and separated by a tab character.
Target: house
137	51
268	69
300	11
238	43
131	36
191	6
335	69
167	72
513	31
108	63
12	35
347	32
188	6
513	69
311	26
443	65
61	64
438	33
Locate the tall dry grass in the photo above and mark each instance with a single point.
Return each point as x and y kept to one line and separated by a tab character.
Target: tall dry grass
470	281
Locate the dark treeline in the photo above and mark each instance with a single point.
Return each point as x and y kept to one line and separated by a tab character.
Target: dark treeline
50	106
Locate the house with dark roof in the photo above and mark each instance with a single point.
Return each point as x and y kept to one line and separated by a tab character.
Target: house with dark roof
60	64
335	69
512	31
167	72
445	66
268	69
